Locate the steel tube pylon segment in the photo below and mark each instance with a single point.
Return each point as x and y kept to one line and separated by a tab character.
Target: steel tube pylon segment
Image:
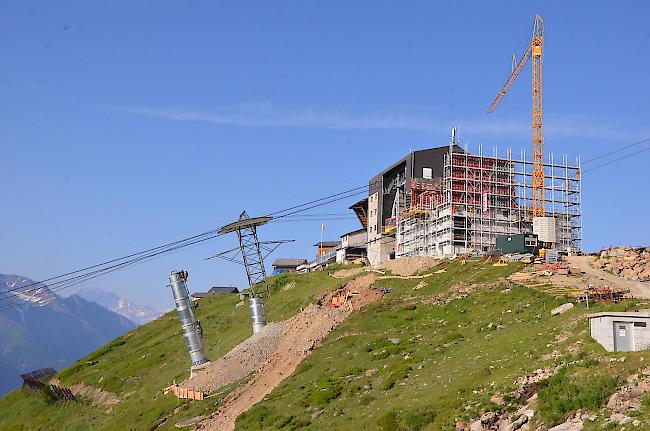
192	331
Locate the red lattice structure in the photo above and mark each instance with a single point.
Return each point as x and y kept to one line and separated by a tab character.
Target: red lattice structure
474	177
425	194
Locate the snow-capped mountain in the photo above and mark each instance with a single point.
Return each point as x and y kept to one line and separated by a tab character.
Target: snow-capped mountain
42	329
135	313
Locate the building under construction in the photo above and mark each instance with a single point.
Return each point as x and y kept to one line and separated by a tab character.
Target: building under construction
446	201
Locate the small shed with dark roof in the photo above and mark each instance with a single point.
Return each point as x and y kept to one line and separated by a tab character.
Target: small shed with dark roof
215	291
281	265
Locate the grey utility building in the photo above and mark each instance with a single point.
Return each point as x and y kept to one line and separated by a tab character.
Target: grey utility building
621	331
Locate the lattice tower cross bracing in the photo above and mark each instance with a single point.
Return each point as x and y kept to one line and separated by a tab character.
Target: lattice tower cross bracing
538	137
252	255
534	51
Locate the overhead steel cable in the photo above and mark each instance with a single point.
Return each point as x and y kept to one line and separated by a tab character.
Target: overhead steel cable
108	262
321	204
273	214
298	220
362	188
617	150
64	281
615	160
65	284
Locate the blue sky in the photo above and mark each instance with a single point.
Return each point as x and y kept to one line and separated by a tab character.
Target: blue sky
132	124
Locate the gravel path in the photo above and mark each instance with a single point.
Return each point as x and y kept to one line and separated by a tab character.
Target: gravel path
248	356
301	334
599	277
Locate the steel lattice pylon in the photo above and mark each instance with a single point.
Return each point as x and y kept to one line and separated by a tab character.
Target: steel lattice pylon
251	250
251	253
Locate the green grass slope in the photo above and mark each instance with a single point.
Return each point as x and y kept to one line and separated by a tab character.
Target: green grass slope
407	363
138	365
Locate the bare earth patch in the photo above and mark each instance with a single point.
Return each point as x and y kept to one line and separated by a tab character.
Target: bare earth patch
96	395
345	273
410	265
301	334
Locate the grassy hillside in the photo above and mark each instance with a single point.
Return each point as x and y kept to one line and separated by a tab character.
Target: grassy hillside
411	362
139	364
407	364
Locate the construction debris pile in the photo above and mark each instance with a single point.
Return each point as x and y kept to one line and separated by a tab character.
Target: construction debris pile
632	263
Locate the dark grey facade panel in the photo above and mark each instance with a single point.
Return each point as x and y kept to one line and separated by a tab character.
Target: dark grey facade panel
410	166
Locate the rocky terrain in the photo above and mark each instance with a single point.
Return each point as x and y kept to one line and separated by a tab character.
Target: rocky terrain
632	263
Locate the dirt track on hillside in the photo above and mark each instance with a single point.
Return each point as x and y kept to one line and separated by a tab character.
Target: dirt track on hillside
301	335
601	278
245	358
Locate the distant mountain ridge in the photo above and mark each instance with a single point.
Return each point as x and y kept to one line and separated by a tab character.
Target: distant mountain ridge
46	330
134	312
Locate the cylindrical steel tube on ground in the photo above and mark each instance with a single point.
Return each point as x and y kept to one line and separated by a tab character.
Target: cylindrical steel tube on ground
191	329
258	313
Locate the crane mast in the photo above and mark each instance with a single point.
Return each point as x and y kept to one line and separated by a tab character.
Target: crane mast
534	52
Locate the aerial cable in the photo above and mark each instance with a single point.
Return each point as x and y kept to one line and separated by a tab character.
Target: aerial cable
60	282
615	160
115	260
617	150
65	284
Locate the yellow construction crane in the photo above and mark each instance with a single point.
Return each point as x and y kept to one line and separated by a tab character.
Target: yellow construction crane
535	52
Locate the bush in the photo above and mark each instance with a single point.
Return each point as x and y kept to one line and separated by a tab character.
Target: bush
388	422
645	401
564	395
388	384
413	420
418	419
452	337
398	372
354	371
261	417
325	391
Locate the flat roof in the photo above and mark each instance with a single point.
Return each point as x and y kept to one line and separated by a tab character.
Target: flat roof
244	223
281	261
354	231
327	244
641	314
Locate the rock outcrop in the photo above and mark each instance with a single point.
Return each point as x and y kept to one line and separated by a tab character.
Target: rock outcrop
632	263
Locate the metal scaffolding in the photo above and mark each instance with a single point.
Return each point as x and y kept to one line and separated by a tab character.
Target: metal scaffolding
484	196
